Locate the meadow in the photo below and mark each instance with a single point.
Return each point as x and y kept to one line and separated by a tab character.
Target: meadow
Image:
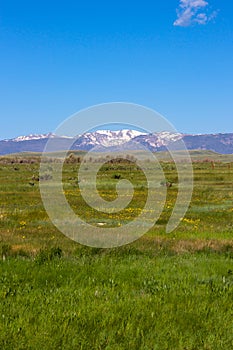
163	291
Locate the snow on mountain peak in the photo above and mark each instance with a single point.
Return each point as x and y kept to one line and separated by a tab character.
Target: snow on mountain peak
33	137
108	137
119	133
165	137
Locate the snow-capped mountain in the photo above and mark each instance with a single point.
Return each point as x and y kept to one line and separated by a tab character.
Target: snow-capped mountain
32	137
158	141
105	138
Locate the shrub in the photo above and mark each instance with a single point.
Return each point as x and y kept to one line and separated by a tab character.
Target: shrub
46	255
5	250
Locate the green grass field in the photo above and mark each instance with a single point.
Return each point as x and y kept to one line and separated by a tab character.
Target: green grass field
164	291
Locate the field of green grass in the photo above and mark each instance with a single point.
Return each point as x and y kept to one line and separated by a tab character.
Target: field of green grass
164	291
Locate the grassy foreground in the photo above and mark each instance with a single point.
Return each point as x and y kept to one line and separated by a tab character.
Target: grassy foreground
161	292
118	300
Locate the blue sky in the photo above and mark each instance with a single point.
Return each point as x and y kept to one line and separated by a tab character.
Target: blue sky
174	56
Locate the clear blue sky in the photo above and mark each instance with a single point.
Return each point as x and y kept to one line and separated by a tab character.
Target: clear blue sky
58	57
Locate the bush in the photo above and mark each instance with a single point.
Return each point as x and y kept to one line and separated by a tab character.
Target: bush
85	251
46	255
117	176
5	250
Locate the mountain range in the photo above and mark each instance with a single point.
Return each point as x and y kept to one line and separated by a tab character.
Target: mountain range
158	141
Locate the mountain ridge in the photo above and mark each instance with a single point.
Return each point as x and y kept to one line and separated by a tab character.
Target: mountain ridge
158	141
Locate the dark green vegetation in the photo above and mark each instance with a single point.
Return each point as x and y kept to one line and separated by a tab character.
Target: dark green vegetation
164	291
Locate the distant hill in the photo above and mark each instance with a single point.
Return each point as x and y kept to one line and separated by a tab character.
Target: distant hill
156	142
